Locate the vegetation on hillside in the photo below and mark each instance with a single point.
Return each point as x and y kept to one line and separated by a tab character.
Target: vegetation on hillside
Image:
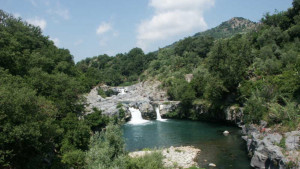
123	69
237	25
258	71
42	122
41	111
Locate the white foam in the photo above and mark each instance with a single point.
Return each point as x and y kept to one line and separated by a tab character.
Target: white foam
136	117
158	117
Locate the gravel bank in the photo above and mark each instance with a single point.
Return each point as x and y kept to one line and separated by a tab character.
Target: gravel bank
174	157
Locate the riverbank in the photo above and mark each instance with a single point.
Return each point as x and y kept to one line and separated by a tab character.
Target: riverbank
269	148
174	157
224	151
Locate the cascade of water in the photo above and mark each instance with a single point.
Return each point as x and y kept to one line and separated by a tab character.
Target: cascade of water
158	117
136	116
122	91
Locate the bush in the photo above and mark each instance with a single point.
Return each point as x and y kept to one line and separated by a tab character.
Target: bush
152	160
255	109
110	92
282	143
107	93
106	149
96	121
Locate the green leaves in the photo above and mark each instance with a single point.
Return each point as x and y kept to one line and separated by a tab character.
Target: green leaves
39	87
121	69
27	123
106	149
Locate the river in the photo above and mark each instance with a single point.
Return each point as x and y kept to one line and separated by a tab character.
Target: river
227	152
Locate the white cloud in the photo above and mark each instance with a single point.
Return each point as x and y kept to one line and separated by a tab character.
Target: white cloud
55	40
37	22
172	18
103	42
47	2
103	28
63	13
80	41
33	3
16	15
55	8
116	34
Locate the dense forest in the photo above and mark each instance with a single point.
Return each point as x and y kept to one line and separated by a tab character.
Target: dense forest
123	69
239	63
42	121
41	107
258	70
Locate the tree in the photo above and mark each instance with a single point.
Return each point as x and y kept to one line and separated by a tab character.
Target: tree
106	149
27	125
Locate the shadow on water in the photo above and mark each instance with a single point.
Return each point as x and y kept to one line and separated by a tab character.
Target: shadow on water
227	152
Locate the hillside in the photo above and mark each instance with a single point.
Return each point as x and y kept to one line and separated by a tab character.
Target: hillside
229	28
249	77
236	25
125	69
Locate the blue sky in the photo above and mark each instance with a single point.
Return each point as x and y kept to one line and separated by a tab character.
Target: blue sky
94	27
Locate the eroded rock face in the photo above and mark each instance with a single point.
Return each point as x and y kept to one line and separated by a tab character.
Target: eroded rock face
292	140
265	150
234	114
144	96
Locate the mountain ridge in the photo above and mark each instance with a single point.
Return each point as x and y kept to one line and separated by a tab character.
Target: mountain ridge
229	28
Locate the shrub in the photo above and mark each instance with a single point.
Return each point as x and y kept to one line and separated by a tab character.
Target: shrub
254	109
282	143
152	160
101	92
107	149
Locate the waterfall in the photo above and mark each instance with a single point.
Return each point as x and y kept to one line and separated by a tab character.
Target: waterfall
136	116
158	117
122	91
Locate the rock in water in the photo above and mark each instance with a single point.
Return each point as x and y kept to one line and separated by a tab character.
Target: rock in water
212	165
226	132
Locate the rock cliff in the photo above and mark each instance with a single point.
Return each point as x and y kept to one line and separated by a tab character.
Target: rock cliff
144	96
267	148
271	150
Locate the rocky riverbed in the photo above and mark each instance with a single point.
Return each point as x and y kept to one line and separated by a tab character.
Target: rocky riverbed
144	95
174	157
269	149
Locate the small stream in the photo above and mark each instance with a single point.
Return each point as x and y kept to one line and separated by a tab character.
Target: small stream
227	152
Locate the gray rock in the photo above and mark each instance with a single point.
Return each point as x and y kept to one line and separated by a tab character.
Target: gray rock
142	95
258	160
292	140
165	106
264	149
234	114
273	138
263	123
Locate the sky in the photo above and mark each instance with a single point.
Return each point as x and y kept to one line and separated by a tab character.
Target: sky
94	27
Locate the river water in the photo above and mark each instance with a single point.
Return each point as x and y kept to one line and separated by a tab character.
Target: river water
227	152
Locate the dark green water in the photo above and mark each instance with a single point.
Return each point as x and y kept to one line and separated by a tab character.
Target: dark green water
227	152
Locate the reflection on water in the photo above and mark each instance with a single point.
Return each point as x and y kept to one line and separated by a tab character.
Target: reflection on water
227	152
